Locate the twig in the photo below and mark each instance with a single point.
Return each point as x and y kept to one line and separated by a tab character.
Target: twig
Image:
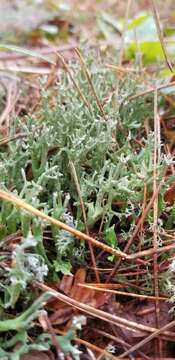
140	223
119	341
88	76
6	140
17	79
151	251
12	97
4	56
25	206
77	185
146	92
121	70
141	226
149	338
113	319
25	69
54	340
156	161
160	34
117	292
143	217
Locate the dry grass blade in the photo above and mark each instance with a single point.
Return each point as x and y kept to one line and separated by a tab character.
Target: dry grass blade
160	34
25	69
25	206
7	139
55	343
113	319
119	341
88	76
147	339
77	185
26	52
74	175
156	162
149	91
121	70
66	67
152	251
12	97
96	287
139	224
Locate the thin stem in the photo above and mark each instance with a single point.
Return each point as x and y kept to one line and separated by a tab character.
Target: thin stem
160	34
119	341
139	224
113	319
146	92
104	289
156	161
147	339
151	251
73	81
88	76
77	185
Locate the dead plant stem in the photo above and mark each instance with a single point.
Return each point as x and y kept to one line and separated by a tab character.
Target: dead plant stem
146	92
147	339
66	67
139	224
91	85
106	316
77	185
156	161
160	34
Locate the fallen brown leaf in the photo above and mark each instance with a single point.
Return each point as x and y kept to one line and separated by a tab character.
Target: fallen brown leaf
142	312
69	285
169	196
38	355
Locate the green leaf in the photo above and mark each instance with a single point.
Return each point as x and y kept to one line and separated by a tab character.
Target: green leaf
23	320
151	51
142	28
111	258
65	343
110	236
94	213
63	266
169	31
137	21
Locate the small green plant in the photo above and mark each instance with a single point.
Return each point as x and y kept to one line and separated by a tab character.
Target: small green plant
112	169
